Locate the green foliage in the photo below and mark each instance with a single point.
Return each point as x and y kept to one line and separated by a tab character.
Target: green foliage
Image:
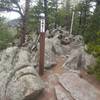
94	49
93	30
61	15
5	35
33	21
92	39
55	15
96	70
82	17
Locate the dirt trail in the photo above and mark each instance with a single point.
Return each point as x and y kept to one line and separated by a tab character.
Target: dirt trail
50	78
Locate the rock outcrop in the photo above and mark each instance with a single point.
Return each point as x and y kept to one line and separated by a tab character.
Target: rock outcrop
18	78
78	59
78	88
60	42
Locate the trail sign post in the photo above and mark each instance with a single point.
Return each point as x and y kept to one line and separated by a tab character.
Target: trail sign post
42	43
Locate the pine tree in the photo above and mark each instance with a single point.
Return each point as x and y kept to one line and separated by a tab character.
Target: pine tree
13	5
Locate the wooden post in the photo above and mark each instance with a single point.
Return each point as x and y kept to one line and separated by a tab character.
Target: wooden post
42	50
42	44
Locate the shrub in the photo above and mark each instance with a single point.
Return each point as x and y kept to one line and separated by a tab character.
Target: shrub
95	50
5	35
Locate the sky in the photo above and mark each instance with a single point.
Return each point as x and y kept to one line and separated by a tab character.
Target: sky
12	15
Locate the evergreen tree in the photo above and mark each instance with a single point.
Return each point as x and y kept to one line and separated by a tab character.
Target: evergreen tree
14	5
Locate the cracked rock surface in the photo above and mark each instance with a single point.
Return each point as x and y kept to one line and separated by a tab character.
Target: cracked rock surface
79	88
18	78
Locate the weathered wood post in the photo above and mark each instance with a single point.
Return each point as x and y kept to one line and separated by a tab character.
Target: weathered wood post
42	44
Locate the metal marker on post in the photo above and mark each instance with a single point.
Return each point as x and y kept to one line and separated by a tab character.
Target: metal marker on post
42	43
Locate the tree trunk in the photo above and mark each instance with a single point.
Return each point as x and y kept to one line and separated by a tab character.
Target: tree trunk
24	28
72	22
80	22
67	17
84	19
98	2
46	14
56	6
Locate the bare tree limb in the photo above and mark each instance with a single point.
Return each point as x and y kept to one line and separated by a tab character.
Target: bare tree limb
18	6
11	9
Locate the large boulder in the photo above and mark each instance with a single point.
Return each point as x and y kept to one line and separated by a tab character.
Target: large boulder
76	41
73	60
78	88
59	31
59	42
58	48
49	56
50	59
18	78
78	58
53	48
64	45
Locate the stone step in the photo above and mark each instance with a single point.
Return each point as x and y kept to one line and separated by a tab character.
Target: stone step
61	94
79	88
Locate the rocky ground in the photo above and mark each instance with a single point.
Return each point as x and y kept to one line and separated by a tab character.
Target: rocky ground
65	55
67	85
